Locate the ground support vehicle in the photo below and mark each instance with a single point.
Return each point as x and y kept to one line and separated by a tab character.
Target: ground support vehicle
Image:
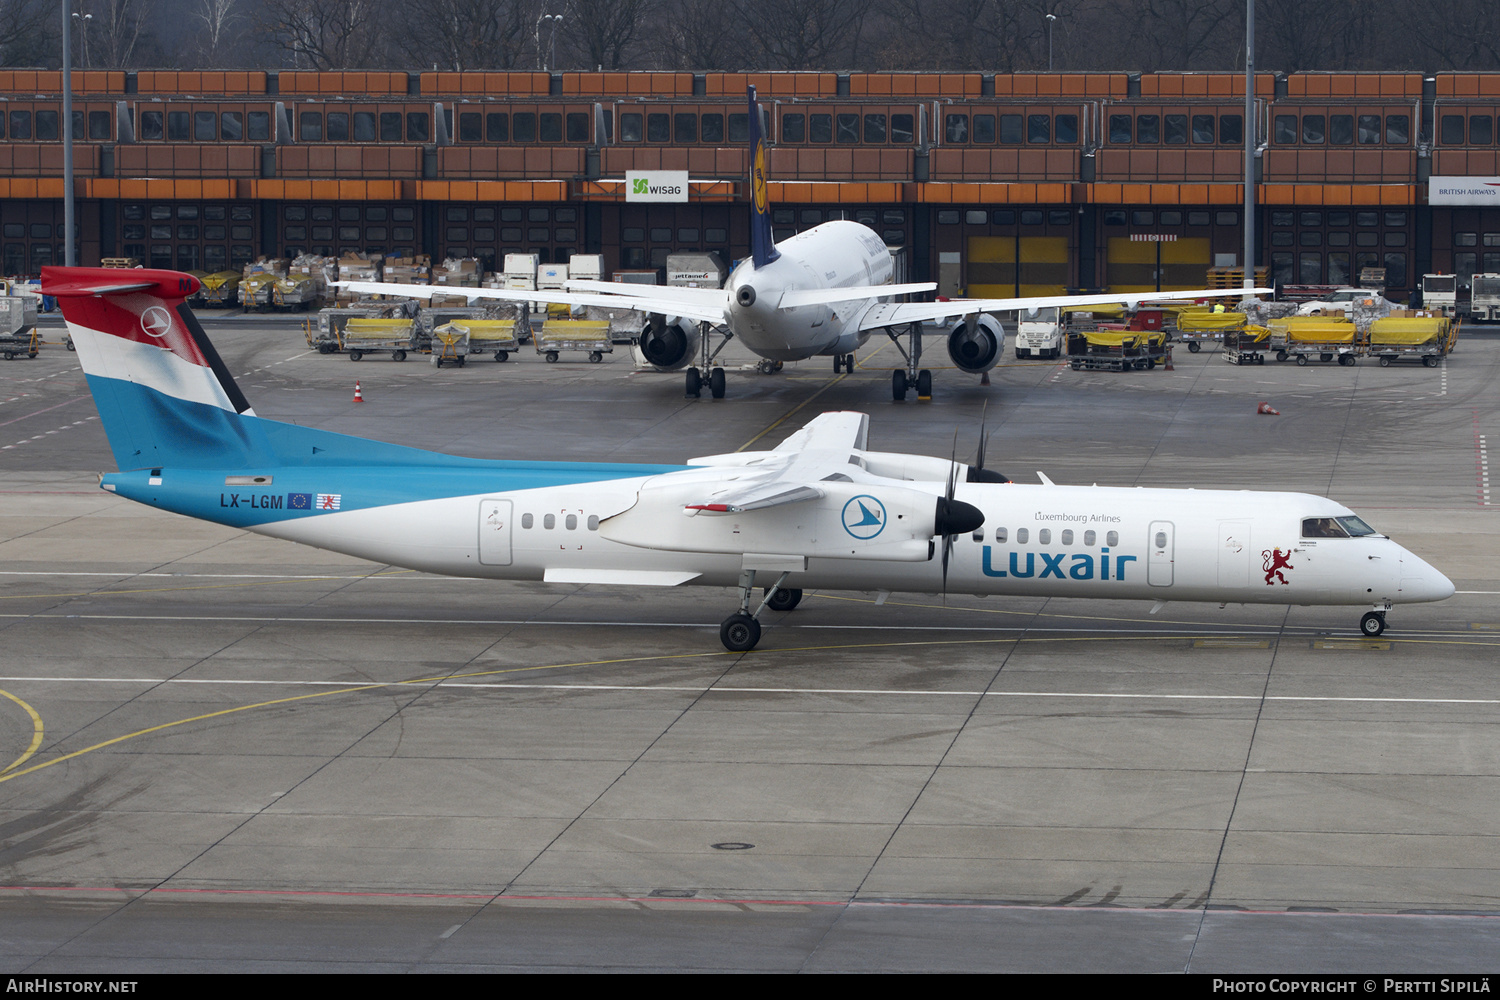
297	291
1038	333
17	320
16	345
1321	338
1196	326
219	290
1412	338
458	340
558	335
1247	345
1484	297
1115	350
1440	293
396	337
255	290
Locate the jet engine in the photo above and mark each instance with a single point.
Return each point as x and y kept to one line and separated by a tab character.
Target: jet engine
668	343
974	343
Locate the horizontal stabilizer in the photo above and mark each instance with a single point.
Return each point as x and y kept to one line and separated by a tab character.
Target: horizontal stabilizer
796	297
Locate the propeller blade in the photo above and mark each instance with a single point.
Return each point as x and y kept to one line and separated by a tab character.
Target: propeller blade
983	434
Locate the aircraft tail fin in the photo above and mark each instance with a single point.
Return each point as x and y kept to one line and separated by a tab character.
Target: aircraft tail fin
762	244
164	394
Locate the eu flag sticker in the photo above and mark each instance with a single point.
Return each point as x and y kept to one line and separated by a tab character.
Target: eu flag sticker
299	501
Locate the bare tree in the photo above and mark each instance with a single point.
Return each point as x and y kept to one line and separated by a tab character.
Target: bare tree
217	37
606	33
804	34
28	32
112	35
328	34
469	34
699	35
1454	35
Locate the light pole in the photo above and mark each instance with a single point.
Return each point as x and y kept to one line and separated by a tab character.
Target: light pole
1050	19
552	21
1249	261
82	20
69	257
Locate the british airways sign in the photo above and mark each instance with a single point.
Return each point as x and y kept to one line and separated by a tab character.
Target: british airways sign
1463	191
656	185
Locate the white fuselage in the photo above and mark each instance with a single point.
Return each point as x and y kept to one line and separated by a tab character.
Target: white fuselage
1062	541
833	255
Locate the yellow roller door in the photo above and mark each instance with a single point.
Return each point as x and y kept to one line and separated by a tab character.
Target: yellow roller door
1133	266
1185	263
1130	266
992	267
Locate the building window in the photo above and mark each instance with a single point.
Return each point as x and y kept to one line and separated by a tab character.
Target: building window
956	128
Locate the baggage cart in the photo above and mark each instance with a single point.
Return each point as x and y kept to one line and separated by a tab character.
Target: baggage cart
219	290
558	335
1247	346
1195	326
1427	339
395	337
1321	338
1115	350
450	343
462	338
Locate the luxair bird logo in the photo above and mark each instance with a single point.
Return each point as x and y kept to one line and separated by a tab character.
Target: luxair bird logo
1272	562
639	186
864	517
758	178
155	322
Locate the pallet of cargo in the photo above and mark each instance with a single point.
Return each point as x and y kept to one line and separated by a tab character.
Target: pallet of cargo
219	290
1427	339
463	338
1196	324
1247	345
1324	338
1115	350
395	337
589	335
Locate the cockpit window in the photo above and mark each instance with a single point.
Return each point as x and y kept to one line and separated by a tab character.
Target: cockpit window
1355	526
1323	527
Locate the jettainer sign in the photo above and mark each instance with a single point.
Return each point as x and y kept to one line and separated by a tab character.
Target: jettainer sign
656	185
1463	191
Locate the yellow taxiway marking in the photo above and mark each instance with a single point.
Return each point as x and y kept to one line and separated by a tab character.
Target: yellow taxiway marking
36	734
787	415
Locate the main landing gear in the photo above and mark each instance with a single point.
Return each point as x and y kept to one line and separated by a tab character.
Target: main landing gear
843	363
912	377
706	372
1373	622
741	631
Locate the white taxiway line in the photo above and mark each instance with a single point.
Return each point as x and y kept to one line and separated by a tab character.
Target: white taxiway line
697	689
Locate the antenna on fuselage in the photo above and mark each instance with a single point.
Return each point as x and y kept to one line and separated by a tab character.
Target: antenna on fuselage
762	243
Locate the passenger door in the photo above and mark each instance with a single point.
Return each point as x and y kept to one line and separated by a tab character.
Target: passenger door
1159	558
494	532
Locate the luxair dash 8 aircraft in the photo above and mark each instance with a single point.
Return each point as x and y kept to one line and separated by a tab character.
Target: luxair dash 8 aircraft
822	292
819	511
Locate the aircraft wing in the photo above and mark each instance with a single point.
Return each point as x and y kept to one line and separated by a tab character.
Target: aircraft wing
883	315
641	297
819	452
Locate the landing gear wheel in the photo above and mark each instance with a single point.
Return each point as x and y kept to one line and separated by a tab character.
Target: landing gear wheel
898	385
739	633
398	355
785	599
924	384
501	355
1373	623
1194	347
716	383
356	355
694	383
551	357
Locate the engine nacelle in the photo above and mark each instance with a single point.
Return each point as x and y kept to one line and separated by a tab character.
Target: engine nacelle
976	348
669	346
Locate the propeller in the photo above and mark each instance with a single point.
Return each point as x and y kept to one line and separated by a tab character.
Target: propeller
953	517
977	472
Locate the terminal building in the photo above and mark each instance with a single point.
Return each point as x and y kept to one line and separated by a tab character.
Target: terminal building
994	184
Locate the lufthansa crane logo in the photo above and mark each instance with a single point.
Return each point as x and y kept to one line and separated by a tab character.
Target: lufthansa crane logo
864	517
155	322
758	179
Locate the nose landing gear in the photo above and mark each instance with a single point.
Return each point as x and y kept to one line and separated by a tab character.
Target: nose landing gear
1373	622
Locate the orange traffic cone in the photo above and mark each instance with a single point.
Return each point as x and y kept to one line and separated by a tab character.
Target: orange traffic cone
359	397
1168	365
1268	410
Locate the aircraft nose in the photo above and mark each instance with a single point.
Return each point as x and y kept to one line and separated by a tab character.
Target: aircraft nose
1423	582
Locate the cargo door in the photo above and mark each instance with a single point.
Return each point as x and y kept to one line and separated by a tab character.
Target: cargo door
1234	553
1185	263
1044	265
1159	548
1130	266
494	532
992	267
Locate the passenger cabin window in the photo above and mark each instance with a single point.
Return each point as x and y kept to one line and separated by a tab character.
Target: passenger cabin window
1000	534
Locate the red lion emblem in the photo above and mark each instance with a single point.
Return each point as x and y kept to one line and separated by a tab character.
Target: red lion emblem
1273	562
